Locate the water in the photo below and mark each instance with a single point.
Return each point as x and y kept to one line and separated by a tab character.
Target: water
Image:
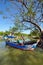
12	56
2	44
3	48
6	54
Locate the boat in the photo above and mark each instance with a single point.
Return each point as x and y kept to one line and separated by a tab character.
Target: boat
21	47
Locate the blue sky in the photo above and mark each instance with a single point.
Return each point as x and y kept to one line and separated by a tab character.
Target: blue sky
5	24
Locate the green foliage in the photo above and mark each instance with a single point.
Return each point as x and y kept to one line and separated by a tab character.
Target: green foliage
4	33
35	33
30	11
1	33
19	34
18	26
13	29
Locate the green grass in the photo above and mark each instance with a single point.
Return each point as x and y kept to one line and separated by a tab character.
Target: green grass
18	57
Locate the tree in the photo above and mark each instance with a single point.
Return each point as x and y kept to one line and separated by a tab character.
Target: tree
18	26
13	29
31	11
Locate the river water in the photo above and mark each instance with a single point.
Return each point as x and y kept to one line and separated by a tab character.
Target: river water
6	54
12	56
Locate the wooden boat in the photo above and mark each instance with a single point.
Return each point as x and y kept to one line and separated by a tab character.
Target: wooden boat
25	46
22	47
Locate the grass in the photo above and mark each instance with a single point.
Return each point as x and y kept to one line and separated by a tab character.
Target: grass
14	56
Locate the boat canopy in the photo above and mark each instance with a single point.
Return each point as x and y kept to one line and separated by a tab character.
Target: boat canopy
11	36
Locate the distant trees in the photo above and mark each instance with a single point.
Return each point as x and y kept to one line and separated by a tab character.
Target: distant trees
4	33
1	33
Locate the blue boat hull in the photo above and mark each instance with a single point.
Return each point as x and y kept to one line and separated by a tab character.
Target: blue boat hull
22	47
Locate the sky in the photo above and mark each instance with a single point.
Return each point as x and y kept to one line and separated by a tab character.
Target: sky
5	24
7	13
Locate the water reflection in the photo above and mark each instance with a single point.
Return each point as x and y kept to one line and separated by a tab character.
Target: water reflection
12	56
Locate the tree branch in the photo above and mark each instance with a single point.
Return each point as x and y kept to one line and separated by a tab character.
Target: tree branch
33	24
23	3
